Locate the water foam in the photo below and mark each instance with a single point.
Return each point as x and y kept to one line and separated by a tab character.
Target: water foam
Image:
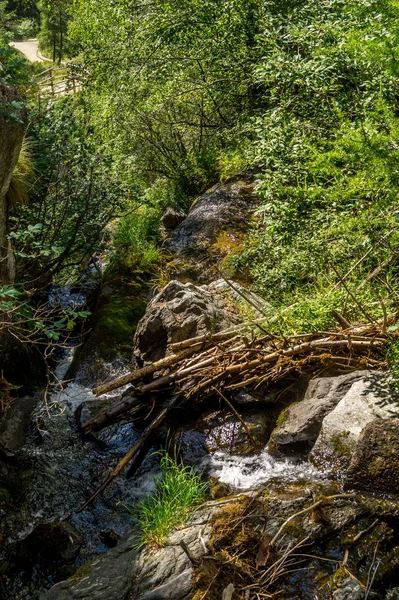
251	472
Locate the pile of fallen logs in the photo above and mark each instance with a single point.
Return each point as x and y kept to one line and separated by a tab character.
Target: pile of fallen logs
228	361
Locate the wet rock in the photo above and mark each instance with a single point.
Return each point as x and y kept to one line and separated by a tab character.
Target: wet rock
126	572
350	590
109	538
51	544
120	304
179	312
109	576
245	398
300	423
14	425
224	209
375	462
172	218
369	398
220	431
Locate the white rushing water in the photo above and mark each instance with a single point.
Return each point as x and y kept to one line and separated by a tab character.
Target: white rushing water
250	472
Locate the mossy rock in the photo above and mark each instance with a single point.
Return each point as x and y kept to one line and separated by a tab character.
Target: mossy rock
375	462
120	306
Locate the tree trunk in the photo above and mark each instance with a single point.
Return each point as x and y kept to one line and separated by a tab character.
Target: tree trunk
12	127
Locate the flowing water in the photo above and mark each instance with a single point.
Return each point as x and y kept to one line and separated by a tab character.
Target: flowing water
60	469
252	472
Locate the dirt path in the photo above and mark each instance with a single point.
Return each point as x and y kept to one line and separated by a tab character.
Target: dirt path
30	48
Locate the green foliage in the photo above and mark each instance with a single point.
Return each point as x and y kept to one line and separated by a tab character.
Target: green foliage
25	29
136	238
324	147
36	324
77	195
177	491
168	80
24	8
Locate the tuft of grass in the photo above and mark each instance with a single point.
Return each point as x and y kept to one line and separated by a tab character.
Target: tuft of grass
177	492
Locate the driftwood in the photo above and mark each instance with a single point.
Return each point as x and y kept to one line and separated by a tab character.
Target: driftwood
144	372
237	365
212	364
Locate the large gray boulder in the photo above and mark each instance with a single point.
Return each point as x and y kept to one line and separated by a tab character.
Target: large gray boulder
127	571
300	423
179	312
368	399
217	219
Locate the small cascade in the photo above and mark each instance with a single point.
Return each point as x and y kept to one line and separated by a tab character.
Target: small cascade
246	473
64	468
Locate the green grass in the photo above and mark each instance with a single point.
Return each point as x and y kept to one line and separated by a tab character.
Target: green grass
177	492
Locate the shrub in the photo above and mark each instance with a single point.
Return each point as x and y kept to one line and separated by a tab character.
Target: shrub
25	29
136	238
177	491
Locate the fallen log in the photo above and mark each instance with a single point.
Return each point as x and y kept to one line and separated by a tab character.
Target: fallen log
237	366
111	414
159	365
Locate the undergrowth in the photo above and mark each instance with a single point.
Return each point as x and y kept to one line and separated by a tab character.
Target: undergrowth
176	493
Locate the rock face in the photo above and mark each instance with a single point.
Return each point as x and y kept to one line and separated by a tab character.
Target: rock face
302	421
110	576
375	462
126	572
179	312
368	399
51	543
224	209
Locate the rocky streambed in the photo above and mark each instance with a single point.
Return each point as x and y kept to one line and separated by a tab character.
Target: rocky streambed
305	507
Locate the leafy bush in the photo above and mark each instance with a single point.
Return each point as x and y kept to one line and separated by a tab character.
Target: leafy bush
77	194
25	29
136	237
324	148
177	491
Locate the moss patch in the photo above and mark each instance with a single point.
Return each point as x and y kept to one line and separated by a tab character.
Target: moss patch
283	415
341	448
120	306
235	542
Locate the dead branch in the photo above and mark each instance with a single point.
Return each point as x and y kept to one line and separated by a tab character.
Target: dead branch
322	501
340	319
141	373
237	414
